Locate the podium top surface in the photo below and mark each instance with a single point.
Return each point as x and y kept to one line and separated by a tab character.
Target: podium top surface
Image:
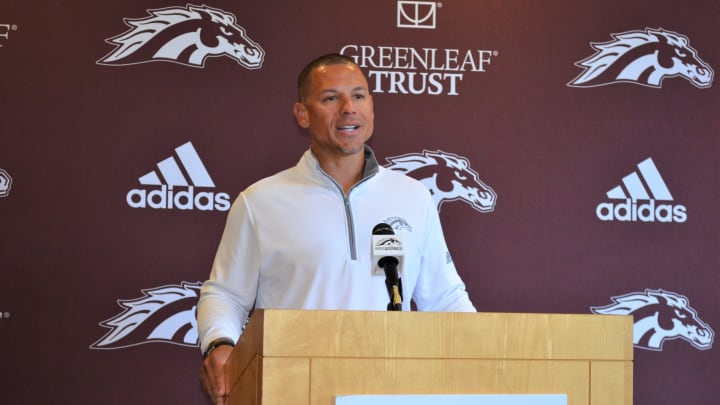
304	333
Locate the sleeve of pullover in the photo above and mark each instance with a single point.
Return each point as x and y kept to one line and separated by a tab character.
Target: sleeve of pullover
227	297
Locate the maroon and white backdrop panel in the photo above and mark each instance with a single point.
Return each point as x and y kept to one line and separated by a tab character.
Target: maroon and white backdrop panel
572	148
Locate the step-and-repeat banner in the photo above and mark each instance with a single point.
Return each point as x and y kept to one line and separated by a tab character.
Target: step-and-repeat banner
571	146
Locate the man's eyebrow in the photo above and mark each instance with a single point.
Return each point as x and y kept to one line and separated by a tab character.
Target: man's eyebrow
335	91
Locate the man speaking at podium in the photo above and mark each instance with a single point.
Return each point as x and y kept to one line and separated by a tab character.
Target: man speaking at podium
301	239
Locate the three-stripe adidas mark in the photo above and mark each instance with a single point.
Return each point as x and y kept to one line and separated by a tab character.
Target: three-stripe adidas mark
187	172
639	192
173	174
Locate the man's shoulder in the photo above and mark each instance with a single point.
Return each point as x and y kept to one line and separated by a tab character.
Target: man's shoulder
400	183
270	183
399	177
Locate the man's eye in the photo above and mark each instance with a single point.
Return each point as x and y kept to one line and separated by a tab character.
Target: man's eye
330	98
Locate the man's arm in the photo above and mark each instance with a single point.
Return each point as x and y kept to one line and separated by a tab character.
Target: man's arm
439	286
226	298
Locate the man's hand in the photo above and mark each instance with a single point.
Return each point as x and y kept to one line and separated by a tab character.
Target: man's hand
212	374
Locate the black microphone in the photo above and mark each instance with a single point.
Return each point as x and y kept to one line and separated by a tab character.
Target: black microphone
387	251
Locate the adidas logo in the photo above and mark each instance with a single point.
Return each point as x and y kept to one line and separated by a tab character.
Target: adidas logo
190	173
648	186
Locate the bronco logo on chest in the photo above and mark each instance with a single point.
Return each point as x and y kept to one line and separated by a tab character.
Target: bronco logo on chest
185	35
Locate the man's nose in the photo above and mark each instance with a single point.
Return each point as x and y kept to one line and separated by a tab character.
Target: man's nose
348	107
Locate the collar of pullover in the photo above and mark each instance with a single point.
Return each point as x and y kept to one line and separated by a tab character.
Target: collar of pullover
371	164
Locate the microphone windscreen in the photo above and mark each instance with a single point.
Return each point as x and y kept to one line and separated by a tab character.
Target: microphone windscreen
383	229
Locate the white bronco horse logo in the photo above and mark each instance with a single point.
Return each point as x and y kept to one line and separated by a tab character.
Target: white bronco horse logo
447	176
163	314
660	316
185	35
645	58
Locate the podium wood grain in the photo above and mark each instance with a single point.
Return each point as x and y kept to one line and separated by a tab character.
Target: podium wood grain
310	357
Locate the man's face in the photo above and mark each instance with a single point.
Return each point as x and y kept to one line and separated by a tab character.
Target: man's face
338	111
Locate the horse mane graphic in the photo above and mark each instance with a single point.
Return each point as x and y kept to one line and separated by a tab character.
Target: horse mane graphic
660	316
447	176
185	35
164	314
645	58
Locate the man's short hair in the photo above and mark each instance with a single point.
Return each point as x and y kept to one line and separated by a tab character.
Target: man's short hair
303	83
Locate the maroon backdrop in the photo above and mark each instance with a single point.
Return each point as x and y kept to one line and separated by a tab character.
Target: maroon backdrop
124	134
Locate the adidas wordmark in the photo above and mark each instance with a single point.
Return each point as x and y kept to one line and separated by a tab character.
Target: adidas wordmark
175	191
639	200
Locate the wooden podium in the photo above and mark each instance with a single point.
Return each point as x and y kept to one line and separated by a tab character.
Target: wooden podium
309	357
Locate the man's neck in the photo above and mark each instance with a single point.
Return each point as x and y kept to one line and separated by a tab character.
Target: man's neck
345	170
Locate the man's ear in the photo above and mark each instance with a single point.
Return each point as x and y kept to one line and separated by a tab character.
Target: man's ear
301	114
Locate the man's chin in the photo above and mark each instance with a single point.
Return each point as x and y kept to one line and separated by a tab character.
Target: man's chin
353	150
